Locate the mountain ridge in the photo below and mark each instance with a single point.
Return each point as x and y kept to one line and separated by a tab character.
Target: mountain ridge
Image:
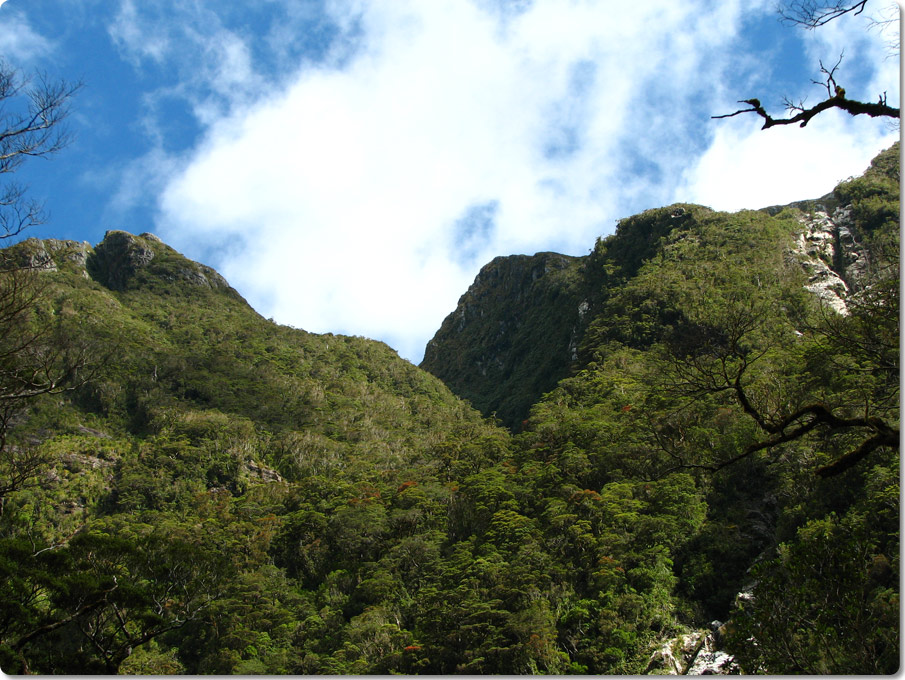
214	493
492	360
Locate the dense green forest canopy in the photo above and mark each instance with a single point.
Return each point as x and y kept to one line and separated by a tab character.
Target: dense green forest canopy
214	493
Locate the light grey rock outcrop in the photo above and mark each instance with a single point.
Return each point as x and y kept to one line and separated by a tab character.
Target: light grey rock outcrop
695	653
832	257
51	254
262	472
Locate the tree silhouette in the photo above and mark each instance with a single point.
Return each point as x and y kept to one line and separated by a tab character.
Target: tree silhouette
37	354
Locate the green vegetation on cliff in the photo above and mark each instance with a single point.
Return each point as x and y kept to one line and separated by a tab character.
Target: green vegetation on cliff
219	494
513	334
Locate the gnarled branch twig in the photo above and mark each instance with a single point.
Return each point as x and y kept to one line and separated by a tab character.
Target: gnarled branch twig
803	117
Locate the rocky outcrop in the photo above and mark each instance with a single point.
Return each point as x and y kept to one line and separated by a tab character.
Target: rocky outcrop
119	257
52	254
122	260
833	259
695	653
262	472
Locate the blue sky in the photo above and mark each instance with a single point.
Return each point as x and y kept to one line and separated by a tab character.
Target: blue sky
349	165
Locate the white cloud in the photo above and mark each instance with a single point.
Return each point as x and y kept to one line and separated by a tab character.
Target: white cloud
133	37
746	167
334	204
19	43
202	61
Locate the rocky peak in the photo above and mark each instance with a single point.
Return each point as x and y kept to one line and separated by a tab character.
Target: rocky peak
119	256
122	260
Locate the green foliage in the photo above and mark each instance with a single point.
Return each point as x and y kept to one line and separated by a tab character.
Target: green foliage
874	197
829	602
231	496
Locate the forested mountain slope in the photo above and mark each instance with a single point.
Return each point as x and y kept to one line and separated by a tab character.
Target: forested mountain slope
220	494
516	331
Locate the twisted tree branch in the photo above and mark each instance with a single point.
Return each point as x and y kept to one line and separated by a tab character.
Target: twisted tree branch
803	117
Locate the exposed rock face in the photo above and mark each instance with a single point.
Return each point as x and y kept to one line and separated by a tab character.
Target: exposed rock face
50	254
121	258
832	257
694	653
712	662
118	257
75	462
672	656
262	472
122	261
513	334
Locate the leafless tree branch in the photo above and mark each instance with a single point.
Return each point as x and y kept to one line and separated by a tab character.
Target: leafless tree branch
32	115
815	13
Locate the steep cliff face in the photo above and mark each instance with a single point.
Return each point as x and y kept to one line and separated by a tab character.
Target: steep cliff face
526	322
519	328
513	333
830	254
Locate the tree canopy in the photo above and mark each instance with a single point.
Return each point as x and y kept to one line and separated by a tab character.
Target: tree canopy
234	496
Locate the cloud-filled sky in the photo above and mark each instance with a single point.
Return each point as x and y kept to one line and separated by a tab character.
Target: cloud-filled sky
349	165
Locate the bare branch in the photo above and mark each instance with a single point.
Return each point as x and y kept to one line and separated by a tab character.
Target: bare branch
812	14
32	116
832	89
803	117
